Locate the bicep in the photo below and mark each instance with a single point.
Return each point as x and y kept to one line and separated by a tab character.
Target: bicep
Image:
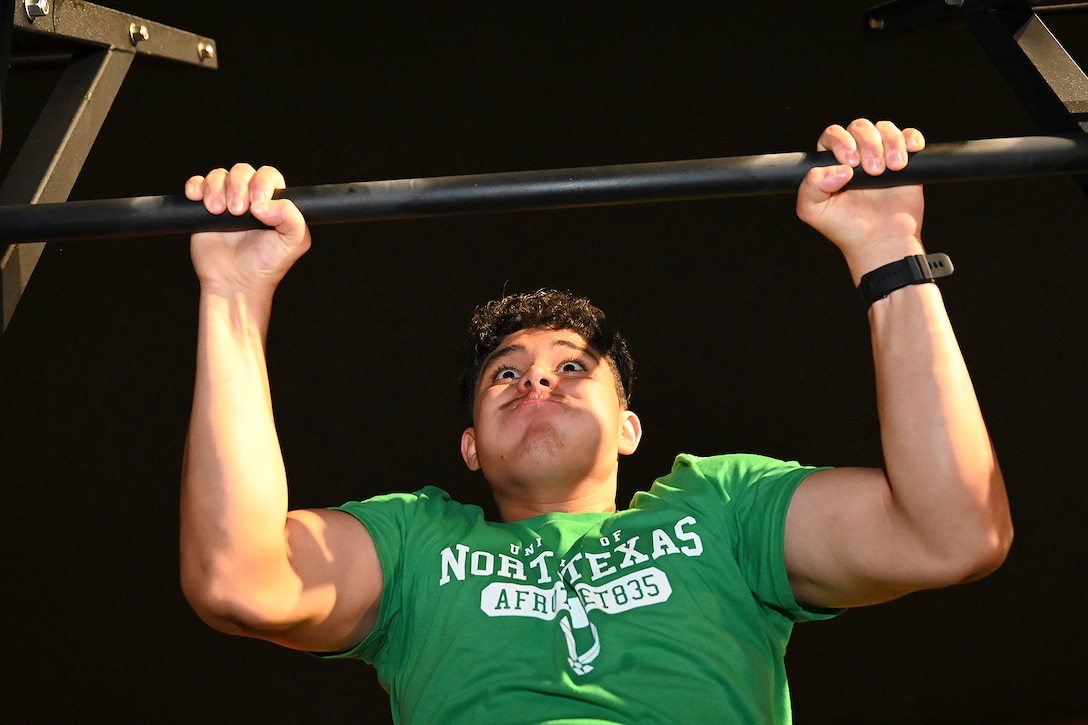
339	578
845	546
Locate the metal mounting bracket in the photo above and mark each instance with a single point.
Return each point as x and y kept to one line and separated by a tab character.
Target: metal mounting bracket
98	46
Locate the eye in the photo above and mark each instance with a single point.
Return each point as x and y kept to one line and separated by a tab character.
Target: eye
572	366
506	374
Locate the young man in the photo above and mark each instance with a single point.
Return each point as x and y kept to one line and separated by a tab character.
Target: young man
675	609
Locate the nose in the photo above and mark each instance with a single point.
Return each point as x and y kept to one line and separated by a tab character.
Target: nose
538	376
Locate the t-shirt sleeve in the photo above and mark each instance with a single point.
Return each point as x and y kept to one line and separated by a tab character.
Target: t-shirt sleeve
388	519
750	495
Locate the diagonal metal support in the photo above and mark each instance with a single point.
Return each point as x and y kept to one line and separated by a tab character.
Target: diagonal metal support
1051	85
51	158
49	162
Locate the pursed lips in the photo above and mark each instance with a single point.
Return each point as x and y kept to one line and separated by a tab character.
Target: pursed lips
532	399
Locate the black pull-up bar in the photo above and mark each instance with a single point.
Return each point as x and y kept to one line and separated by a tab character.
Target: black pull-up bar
535	190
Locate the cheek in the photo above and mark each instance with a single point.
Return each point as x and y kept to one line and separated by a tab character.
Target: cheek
484	415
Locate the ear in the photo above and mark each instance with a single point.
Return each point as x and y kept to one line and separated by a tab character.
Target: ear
468	449
630	432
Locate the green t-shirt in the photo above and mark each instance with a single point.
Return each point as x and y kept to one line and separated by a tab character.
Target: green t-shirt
677	609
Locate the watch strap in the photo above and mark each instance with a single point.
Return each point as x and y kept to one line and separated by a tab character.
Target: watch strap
916	269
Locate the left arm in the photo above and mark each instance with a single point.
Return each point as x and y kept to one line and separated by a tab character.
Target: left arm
937	514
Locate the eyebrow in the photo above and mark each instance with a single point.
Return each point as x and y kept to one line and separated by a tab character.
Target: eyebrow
507	350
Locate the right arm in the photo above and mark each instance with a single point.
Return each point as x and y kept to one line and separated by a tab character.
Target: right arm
304	579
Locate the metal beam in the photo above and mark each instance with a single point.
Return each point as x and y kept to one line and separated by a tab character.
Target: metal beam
90	24
898	16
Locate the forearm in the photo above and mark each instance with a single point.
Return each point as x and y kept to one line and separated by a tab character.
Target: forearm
234	488
937	513
947	491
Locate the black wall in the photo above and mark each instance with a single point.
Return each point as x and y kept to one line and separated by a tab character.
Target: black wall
747	331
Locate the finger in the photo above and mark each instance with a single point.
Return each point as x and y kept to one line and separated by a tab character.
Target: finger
870	145
194	188
265	183
215	200
895	145
839	142
914	139
822	181
237	188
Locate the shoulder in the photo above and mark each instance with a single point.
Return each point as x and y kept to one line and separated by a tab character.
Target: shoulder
724	482
734	472
429	500
393	518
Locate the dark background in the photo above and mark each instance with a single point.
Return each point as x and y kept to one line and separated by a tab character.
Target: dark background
747	331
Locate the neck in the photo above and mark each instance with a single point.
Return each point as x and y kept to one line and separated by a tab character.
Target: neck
519	504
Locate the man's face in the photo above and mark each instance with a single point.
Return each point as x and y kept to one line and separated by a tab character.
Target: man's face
546	408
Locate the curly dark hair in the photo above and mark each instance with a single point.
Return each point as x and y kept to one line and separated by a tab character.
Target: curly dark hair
550	309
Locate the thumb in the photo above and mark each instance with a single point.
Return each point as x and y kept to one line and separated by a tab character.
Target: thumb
282	215
828	179
819	184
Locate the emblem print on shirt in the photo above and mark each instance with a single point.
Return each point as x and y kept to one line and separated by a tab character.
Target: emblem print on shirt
579	621
569	589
